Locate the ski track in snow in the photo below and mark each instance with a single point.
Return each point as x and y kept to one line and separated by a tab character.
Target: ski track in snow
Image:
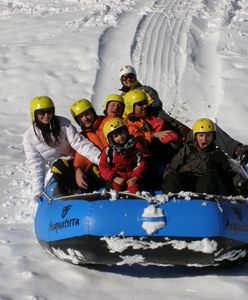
158	49
115	40
167	45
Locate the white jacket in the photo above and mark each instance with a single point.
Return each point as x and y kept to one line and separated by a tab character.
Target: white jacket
40	156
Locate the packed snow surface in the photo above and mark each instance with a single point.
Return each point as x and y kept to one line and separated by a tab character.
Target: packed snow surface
193	52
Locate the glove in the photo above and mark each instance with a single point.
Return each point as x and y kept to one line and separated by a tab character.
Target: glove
243	185
94	172
37	196
171	137
241	153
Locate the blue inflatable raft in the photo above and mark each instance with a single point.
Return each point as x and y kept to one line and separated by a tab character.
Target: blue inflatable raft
106	228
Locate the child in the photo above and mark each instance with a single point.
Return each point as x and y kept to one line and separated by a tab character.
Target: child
200	166
122	163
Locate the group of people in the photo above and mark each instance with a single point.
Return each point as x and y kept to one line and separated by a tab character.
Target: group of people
128	146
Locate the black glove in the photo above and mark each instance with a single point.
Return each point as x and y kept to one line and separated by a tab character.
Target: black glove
243	184
241	153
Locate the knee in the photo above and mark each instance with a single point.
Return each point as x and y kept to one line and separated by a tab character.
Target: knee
171	184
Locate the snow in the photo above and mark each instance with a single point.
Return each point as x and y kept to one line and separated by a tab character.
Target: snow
154	219
193	52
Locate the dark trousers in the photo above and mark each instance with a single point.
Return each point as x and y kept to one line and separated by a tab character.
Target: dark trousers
180	181
64	173
163	153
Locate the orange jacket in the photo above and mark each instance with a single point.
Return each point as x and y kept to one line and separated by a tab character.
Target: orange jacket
94	134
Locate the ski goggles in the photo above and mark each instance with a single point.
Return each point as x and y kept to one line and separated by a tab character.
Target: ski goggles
131	77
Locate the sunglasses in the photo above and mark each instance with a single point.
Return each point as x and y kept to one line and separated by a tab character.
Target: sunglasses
131	77
42	112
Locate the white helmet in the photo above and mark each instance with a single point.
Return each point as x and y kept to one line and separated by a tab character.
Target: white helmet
127	69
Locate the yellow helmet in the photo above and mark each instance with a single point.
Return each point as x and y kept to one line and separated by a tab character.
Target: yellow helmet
132	97
41	102
113	97
112	125
79	107
203	125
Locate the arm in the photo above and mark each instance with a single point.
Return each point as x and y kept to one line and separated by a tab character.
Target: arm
177	161
81	179
153	97
35	163
141	163
82	162
105	169
82	145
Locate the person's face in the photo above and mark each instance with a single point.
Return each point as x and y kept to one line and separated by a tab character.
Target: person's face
120	136
44	116
140	108
115	109
204	139
128	80
87	118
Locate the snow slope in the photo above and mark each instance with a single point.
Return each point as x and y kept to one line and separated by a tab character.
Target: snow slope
193	52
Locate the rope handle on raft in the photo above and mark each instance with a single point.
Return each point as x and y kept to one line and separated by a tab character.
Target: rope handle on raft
43	194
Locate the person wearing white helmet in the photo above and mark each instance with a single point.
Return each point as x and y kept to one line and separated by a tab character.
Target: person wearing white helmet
127	69
128	78
129	81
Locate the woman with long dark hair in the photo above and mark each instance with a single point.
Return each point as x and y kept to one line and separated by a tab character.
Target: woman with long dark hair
51	138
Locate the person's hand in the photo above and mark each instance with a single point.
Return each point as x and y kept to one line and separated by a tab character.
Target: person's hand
37	196
244	185
132	181
81	179
241	153
119	180
166	136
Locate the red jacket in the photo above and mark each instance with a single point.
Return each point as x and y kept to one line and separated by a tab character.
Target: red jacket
122	164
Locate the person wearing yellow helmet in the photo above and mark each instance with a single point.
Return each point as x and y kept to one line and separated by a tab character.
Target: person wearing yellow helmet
113	106
202	167
83	108
87	174
51	141
163	142
122	163
85	115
